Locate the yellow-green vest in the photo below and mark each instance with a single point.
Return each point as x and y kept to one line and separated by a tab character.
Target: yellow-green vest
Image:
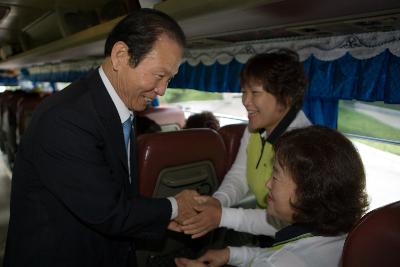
257	176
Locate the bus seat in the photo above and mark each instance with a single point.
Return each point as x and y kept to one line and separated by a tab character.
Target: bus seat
10	124
172	161
232	134
25	108
169	162
169	118
3	105
375	240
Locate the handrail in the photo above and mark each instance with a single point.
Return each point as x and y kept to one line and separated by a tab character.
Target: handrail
377	139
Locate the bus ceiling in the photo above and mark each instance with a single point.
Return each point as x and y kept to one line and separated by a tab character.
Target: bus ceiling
35	32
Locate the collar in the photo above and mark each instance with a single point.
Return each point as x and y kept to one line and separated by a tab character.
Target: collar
123	112
282	126
263	134
291	233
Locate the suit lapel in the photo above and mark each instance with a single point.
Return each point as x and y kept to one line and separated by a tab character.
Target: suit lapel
133	164
108	115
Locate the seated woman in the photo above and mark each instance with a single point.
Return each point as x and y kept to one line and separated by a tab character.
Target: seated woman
273	86
317	187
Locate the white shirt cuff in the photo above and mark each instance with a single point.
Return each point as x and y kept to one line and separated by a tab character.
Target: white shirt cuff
229	218
223	198
174	206
234	256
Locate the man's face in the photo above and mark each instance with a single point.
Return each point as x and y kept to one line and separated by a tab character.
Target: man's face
140	85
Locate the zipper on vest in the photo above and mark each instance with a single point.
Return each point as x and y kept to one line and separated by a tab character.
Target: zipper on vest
263	140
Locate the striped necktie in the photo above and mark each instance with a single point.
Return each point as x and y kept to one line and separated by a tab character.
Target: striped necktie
127	127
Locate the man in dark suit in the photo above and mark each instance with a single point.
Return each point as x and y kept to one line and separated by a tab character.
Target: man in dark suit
74	199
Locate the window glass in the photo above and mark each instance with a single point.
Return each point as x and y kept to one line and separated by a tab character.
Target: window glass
60	85
374	128
227	107
375	124
6	87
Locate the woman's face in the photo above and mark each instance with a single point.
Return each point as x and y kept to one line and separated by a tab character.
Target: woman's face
264	111
282	192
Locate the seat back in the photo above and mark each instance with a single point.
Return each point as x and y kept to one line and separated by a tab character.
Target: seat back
232	134
9	124
3	105
172	161
375	240
25	109
169	118
169	162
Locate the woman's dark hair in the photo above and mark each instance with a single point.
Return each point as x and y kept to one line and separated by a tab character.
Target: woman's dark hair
140	29
329	175
205	119
280	74
146	125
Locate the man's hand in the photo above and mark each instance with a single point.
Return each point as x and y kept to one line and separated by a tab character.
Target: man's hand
186	202
208	219
184	262
174	226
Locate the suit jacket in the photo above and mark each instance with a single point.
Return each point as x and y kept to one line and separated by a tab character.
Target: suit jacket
71	200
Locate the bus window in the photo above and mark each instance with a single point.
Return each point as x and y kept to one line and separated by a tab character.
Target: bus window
227	107
374	127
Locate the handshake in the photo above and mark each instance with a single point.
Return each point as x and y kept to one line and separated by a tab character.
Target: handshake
197	215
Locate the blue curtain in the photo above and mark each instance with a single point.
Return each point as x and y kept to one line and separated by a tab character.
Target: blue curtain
213	78
322	111
8	79
66	76
372	79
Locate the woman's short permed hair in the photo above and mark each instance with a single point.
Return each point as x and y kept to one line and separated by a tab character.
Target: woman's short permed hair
280	74
329	175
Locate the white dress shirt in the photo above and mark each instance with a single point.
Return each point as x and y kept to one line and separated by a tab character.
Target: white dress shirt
124	113
314	251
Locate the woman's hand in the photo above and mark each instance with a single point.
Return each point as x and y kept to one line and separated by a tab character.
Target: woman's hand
215	257
208	217
212	258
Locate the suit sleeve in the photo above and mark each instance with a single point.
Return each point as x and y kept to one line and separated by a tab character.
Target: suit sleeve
73	162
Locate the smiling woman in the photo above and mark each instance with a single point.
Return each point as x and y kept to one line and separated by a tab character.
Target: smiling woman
273	89
318	188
